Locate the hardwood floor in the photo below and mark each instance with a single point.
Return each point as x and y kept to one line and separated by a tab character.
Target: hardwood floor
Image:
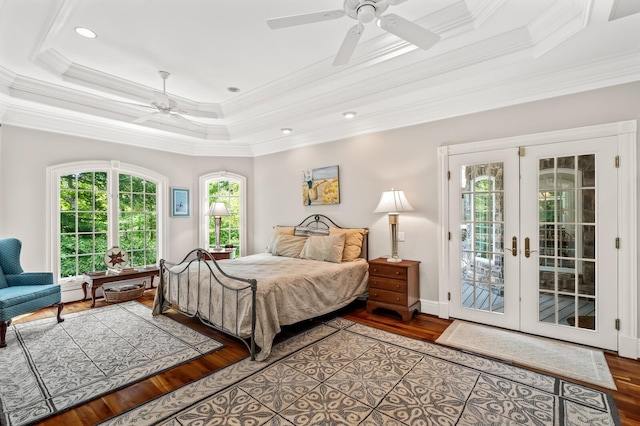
626	373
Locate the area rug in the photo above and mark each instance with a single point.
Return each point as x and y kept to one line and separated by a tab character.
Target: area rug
48	367
565	359
344	373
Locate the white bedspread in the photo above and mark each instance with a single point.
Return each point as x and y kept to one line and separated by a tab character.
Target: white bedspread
289	290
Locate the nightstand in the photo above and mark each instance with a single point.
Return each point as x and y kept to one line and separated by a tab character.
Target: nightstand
394	286
224	253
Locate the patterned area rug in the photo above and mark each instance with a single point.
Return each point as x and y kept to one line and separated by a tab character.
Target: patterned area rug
343	373
573	361
49	367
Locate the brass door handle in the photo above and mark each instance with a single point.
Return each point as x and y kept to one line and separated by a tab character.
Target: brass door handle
514	246
527	250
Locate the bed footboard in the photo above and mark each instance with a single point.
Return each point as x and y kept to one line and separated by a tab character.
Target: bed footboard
198	287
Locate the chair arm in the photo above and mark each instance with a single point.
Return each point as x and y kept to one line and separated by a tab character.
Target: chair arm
30	278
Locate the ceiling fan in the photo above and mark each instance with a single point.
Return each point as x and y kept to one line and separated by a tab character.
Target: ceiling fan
167	108
364	11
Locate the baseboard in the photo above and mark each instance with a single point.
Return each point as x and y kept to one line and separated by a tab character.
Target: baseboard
429	307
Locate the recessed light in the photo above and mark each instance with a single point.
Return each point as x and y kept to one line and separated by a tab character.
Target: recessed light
86	32
233	89
349	114
286	130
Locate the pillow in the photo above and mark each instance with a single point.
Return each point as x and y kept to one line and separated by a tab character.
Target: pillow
326	248
288	245
278	230
303	231
352	242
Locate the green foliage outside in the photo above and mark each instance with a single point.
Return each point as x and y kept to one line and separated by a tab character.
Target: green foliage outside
84	223
227	192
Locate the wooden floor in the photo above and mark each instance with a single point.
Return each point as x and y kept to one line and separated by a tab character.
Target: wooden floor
626	372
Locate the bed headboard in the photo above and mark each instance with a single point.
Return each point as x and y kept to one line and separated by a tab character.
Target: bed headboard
320	221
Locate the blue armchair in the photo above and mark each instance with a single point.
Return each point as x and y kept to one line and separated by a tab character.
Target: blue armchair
22	292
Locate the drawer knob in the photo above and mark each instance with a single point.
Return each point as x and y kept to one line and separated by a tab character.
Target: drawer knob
397	285
397	299
397	272
375	294
375	269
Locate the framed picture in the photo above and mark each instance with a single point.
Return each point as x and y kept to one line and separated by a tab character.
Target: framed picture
180	202
320	186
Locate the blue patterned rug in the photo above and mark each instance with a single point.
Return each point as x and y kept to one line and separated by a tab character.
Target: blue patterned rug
350	374
48	367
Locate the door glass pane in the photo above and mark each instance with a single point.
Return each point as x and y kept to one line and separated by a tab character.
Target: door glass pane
482	233
567	230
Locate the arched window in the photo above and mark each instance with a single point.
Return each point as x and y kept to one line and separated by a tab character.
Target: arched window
96	205
229	188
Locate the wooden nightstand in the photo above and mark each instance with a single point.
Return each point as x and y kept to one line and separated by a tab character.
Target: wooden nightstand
394	286
225	253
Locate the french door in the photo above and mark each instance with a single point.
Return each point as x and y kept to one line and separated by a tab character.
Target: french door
533	239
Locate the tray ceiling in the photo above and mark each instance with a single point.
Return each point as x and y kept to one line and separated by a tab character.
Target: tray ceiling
492	53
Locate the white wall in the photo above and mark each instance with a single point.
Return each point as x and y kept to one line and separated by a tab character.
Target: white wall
407	159
26	154
369	164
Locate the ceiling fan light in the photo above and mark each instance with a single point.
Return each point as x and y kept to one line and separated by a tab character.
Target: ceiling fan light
286	130
85	32
366	13
349	114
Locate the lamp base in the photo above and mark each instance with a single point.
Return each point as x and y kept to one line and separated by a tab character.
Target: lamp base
394	260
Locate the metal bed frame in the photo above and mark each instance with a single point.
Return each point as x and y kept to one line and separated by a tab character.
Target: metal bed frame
205	260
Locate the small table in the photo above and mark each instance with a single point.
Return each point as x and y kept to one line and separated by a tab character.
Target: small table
98	279
224	253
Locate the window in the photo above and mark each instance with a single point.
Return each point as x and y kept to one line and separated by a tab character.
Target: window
98	205
228	188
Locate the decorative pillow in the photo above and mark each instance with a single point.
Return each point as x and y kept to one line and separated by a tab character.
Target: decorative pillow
303	231
278	230
288	245
326	248
352	243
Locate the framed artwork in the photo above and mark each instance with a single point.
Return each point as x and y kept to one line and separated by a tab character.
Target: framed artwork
180	202
320	186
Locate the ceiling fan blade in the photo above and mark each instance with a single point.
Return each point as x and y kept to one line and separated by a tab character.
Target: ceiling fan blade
180	120
290	21
198	113
349	45
146	117
409	31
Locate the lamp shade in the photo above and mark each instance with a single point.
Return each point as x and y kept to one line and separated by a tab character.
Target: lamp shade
218	209
393	201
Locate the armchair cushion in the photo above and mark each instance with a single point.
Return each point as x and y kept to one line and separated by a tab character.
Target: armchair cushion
30	278
17	300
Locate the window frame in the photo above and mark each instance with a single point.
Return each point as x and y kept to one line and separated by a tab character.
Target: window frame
113	168
203	200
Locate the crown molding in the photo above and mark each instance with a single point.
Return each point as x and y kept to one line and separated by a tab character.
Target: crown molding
44	118
463	98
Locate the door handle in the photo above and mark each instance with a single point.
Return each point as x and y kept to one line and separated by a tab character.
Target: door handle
527	250
514	246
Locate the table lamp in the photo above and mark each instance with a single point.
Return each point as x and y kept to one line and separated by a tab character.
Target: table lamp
393	202
217	210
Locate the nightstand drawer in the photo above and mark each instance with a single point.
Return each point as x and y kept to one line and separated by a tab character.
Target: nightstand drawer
384	296
387	284
389	271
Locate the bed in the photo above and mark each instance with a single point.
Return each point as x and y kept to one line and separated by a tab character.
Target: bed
307	270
